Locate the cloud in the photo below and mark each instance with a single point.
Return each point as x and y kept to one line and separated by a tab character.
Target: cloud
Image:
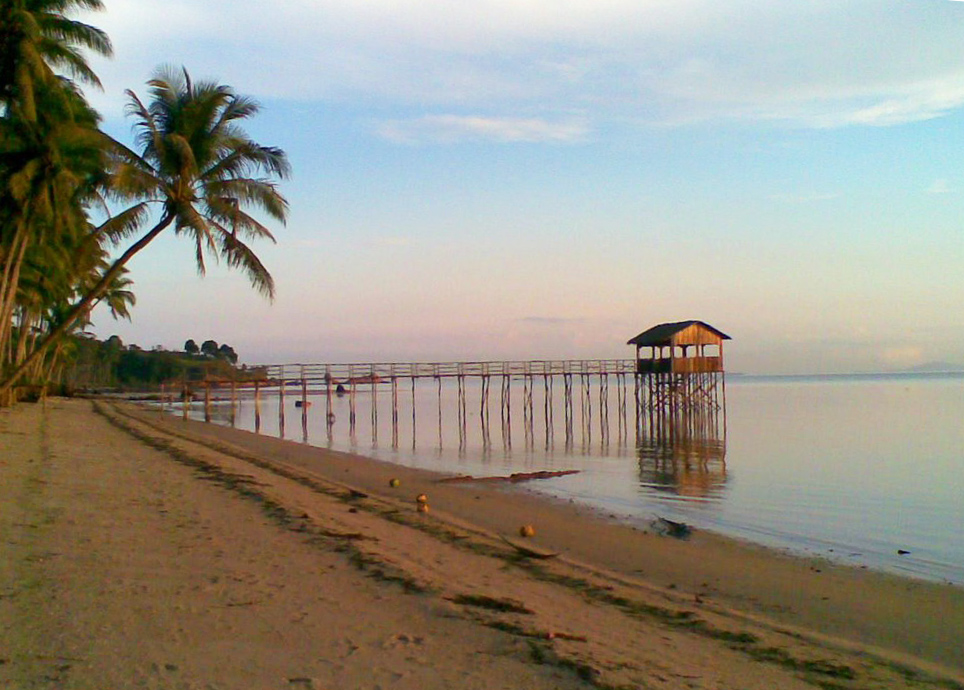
453	128
821	63
938	186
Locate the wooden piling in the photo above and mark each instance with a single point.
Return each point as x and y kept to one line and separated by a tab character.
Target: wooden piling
281	404
234	401
414	435
351	404
257	407
371	375
304	407
438	379
329	414
394	411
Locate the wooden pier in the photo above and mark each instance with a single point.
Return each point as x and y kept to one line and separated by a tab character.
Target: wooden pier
582	390
676	381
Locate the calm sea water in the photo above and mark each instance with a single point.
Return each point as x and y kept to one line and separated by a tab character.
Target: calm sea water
853	468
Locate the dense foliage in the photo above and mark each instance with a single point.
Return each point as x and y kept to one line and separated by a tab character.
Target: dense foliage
71	196
109	364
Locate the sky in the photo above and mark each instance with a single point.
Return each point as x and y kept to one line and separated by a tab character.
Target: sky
534	179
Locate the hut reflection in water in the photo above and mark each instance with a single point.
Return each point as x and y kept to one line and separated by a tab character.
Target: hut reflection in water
689	467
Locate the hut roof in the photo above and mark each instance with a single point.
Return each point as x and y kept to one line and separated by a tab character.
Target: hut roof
662	334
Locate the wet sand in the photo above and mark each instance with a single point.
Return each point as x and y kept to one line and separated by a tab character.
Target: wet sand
140	550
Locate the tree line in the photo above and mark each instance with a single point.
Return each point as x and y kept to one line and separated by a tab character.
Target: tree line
210	348
76	205
110	364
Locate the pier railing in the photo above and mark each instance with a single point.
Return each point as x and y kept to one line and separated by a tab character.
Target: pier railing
368	372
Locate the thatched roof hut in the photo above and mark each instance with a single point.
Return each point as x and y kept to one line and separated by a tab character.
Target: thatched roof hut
681	347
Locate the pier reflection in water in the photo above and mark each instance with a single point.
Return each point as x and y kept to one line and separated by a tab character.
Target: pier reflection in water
689	467
581	420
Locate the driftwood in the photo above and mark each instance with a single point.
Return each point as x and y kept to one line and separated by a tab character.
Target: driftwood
565	636
679	530
515	477
528	551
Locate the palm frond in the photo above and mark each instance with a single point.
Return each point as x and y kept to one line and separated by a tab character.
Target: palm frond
260	193
125	223
240	256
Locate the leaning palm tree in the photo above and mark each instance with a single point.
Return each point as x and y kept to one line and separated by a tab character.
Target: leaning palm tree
200	169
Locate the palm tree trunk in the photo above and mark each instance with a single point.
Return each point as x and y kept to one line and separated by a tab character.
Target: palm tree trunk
84	305
9	286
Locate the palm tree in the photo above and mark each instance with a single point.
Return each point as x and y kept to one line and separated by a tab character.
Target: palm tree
37	37
198	165
50	149
49	171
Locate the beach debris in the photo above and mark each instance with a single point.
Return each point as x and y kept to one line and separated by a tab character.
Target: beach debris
551	635
529	551
527	531
514	477
302	403
394	482
483	601
671	528
902	552
421	498
355	494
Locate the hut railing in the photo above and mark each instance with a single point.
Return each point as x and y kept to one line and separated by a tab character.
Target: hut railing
680	365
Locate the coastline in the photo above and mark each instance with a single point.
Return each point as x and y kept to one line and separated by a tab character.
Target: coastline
709	607
859	473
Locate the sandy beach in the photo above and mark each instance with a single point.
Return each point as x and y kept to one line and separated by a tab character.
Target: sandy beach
143	551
